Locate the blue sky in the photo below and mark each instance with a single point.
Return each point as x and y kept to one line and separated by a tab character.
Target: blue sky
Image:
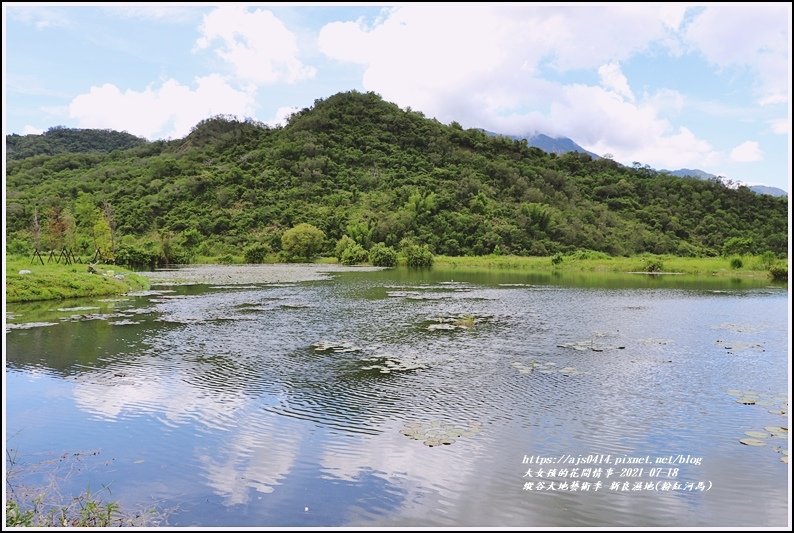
669	86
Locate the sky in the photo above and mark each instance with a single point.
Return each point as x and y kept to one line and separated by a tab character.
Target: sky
671	86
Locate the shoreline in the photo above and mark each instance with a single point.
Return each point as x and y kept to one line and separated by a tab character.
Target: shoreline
59	282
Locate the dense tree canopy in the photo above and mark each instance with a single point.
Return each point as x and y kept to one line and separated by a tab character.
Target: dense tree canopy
356	165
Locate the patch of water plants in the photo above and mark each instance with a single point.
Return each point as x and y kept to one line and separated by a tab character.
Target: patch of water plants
544	367
438	432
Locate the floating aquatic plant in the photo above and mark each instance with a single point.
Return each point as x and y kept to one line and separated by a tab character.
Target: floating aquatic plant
334	347
437	433
387	363
544	367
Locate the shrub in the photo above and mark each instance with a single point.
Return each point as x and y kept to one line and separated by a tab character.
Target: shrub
382	255
135	257
303	241
418	256
354	254
737	263
654	265
226	259
256	253
768	259
341	245
589	254
779	272
556	259
738	245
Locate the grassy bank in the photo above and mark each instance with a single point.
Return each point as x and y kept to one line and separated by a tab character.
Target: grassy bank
747	266
53	281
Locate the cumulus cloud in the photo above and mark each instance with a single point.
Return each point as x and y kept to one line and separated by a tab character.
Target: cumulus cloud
612	78
282	115
747	152
628	130
169	110
154	12
487	67
256	44
39	17
31	130
748	37
780	126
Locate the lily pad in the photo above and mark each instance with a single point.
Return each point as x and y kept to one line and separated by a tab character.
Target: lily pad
747	400
29	325
437	433
752	442
334	347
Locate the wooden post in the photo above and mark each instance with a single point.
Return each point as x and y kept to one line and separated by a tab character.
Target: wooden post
35	255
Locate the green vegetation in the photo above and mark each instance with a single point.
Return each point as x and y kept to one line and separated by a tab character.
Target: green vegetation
46	507
303	242
256	253
57	281
349	252
579	262
737	263
779	272
417	256
59	140
383	256
354	165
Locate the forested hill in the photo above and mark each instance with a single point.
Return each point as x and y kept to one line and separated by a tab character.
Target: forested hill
356	165
59	140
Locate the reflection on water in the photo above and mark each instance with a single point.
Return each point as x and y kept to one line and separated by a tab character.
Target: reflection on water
287	404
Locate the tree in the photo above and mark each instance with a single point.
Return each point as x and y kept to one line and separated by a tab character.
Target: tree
107	214
35	229
303	241
55	229
256	253
103	238
382	255
69	229
737	246
418	256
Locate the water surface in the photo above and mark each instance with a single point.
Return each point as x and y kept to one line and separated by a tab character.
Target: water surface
289	403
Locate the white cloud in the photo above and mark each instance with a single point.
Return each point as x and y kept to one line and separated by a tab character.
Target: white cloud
412	59
604	123
256	44
780	126
484	68
31	130
159	13
672	15
167	111
613	78
747	152
39	17
754	37
282	115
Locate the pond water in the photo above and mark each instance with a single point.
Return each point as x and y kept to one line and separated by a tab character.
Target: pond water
397	398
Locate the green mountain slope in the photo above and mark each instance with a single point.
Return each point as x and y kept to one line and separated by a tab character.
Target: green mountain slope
357	165
60	140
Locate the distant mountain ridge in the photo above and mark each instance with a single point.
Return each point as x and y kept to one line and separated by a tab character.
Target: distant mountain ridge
551	145
562	145
61	140
702	175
